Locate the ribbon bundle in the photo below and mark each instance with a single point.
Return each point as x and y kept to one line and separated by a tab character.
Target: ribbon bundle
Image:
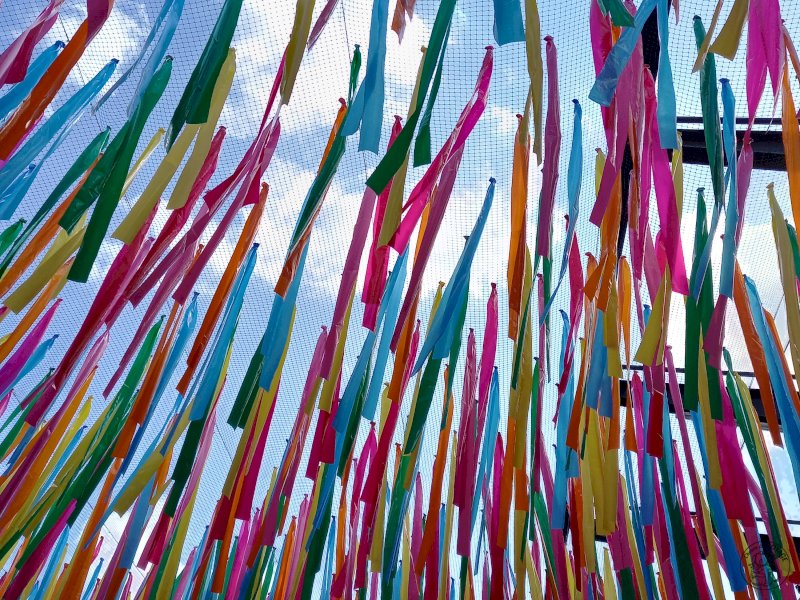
661	483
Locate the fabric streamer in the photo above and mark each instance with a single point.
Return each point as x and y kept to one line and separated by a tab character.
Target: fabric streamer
14	96
422	458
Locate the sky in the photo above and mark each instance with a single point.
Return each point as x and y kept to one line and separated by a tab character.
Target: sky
259	41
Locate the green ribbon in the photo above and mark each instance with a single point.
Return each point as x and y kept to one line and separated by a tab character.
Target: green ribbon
710	110
78	168
106	188
195	102
422	148
620	16
10	235
396	154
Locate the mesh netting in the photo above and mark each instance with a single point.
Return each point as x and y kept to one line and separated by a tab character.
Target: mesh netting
260	39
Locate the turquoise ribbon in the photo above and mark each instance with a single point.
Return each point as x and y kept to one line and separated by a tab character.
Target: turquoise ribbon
388	311
53	567
666	112
279	326
442	330
18	92
367	106
789	418
56	128
170	14
230	319
508	25
138	521
606	83
33	360
566	458
732	215
489	435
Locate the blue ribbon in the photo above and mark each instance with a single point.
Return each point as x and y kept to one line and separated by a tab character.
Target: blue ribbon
732	215
487	451
666	112
217	357
171	13
63	118
606	83
566	458
599	365
442	330
278	326
53	565
367	107
33	360
18	92
508	26
141	512
719	517
388	311
789	418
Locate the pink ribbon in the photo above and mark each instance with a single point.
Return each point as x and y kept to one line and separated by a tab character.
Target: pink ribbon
15	59
552	151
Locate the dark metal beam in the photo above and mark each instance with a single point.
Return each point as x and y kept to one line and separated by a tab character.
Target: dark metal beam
755	396
767	148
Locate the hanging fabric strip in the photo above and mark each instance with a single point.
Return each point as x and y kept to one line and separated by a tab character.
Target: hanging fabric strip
667	119
422	194
204	142
195	103
32	108
57	126
508	26
149	273
367	107
669	218
402	9
574	176
441	332
705	39
727	42
19	91
394	157
552	153
710	110
322	20
605	85
298	39
81	164
519	224
732	215
533	54
170	14
791	145
15	59
108	196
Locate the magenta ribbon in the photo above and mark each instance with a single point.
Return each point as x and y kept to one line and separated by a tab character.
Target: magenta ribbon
15	59
552	151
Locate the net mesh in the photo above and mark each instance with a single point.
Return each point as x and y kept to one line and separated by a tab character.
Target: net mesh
259	41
